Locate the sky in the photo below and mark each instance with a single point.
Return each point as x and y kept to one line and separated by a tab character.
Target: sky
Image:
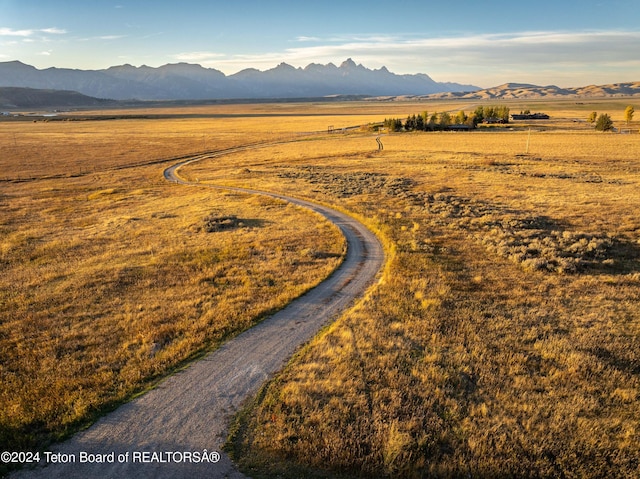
568	43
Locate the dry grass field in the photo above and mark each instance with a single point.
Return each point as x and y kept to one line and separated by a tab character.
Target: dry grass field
504	340
112	278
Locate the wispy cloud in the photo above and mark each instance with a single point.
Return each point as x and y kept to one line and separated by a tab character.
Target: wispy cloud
102	38
54	31
10	32
462	58
202	57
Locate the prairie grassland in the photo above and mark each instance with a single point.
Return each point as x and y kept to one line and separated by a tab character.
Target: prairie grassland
110	280
29	150
504	341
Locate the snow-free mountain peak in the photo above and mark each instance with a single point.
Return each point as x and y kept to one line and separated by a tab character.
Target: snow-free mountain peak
185	81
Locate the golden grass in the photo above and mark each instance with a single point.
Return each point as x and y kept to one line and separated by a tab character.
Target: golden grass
110	280
503	341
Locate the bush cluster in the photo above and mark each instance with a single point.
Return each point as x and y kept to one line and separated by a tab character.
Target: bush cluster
213	223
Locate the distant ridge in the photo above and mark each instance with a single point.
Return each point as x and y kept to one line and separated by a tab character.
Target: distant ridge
523	90
21	98
184	81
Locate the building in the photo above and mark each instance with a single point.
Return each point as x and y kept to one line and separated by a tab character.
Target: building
531	116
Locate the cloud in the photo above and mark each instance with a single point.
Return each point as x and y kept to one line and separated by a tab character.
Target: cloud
9	32
101	37
29	32
552	47
203	57
467	57
54	31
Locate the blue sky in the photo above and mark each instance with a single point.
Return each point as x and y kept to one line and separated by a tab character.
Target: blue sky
484	42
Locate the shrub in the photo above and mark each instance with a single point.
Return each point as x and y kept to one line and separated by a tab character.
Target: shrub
604	123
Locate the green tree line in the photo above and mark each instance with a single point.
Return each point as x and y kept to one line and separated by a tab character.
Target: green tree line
426	121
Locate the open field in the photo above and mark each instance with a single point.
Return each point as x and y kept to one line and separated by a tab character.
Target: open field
113	278
504	340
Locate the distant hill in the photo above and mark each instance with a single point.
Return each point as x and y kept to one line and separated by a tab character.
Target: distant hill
185	81
21	98
523	90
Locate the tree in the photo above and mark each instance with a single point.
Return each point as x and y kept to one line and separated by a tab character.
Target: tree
628	114
478	115
445	119
433	121
410	123
393	124
604	123
502	113
488	112
460	118
593	116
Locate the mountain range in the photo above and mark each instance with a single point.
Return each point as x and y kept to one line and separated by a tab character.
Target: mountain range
524	91
184	81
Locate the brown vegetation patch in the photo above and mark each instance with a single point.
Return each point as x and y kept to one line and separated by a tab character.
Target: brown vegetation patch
524	172
537	243
344	185
214	223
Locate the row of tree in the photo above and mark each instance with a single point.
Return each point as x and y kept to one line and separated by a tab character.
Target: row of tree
441	121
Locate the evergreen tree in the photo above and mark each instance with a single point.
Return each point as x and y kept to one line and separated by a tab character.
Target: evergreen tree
604	123
410	123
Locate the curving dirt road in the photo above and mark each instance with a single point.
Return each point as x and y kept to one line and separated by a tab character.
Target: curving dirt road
163	433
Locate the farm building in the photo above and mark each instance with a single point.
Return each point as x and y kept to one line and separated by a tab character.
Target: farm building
531	116
459	128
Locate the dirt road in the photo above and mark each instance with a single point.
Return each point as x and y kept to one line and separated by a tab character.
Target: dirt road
165	432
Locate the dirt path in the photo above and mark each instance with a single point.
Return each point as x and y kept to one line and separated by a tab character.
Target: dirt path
163	433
